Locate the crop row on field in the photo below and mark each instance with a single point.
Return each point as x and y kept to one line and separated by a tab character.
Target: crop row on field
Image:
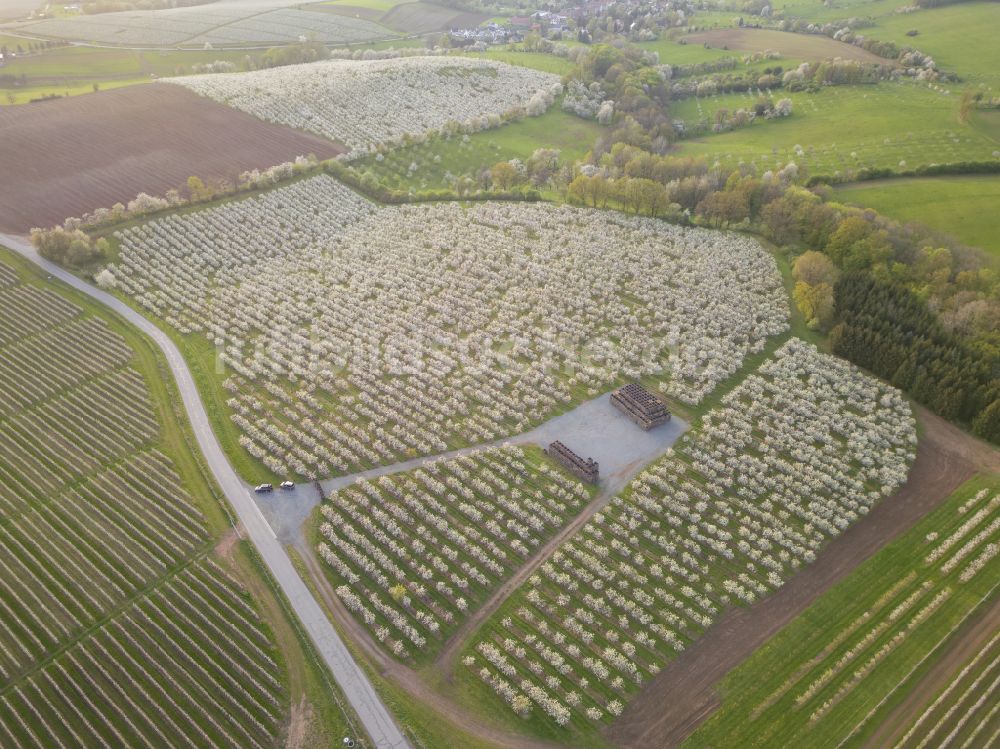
366	335
791	458
114	631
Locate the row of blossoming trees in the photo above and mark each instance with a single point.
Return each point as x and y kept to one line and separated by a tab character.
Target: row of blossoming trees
360	335
414	552
416	96
792	456
115	629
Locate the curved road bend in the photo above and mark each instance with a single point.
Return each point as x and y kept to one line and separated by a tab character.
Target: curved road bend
377	720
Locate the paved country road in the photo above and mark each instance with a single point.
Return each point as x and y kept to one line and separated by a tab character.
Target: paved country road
377	720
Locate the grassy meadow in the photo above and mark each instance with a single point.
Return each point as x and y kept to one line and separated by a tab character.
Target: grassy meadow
962	206
961	38
842	129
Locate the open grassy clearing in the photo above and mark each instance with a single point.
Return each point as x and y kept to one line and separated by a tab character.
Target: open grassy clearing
107	64
961	38
820	12
12	41
714	19
842	129
438	158
962	206
33	93
675	53
382	6
832	675
75	70
107	557
593	624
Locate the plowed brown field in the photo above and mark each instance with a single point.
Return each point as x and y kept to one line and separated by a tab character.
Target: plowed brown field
67	156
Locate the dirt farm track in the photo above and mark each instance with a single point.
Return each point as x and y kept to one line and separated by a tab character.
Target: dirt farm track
68	156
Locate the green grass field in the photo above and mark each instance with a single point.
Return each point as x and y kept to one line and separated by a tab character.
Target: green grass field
845	128
831	676
962	206
536	60
813	10
675	53
435	159
961	38
95	62
69	88
71	71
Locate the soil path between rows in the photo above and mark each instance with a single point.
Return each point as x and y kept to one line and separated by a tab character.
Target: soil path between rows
683	694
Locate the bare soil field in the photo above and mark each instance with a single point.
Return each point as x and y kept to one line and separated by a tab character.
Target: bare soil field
68	156
421	17
683	695
792	46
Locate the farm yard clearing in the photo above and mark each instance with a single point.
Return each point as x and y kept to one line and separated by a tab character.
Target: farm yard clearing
108	147
594	429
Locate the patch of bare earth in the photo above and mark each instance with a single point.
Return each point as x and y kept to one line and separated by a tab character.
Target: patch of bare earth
299	724
68	156
684	693
791	45
226	544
